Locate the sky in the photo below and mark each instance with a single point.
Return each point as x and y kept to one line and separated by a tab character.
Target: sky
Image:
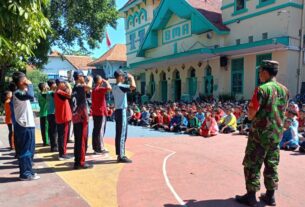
116	35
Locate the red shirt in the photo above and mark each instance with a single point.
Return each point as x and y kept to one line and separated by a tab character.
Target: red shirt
137	115
63	112
301	122
99	107
166	119
8	114
159	119
109	112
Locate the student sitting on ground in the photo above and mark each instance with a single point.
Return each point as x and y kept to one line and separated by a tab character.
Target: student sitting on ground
193	124
301	121
135	118
200	115
292	114
209	127
166	120
157	120
229	123
176	124
243	123
290	140
145	118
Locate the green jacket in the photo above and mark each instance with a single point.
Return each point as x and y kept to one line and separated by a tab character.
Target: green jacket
42	101
269	120
194	123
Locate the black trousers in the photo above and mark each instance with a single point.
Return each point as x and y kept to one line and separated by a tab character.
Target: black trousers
63	132
11	136
43	128
120	131
99	128
52	131
80	142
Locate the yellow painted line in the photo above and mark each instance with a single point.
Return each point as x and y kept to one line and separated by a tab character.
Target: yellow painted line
98	186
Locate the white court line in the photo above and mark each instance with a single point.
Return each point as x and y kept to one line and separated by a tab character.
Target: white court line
167	181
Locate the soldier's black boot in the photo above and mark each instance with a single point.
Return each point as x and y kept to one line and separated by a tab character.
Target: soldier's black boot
269	198
248	199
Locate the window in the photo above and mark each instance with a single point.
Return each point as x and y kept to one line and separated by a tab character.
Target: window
167	35
132	38
238	42
251	39
176	32
265	35
141	35
237	76
185	29
240	5
263	3
259	60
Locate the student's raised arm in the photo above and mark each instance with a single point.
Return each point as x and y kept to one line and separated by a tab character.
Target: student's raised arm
132	82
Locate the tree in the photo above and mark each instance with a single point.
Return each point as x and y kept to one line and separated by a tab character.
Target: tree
79	23
22	26
36	77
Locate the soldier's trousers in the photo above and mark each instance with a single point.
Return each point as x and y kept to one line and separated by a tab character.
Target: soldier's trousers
255	156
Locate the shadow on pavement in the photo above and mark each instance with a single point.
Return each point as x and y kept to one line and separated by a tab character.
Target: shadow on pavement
212	203
8	180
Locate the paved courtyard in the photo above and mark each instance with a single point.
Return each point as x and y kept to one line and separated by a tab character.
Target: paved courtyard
168	170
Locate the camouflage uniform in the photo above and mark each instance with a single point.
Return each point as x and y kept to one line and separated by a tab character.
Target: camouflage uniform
265	136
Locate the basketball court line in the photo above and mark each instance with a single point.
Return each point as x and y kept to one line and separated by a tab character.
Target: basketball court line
166	178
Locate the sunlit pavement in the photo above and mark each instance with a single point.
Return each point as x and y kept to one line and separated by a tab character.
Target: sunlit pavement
167	170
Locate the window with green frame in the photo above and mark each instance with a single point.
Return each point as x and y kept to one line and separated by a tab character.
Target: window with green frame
263	3
239	7
237	79
259	60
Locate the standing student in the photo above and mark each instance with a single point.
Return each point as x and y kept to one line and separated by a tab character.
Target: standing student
80	118
25	126
63	115
8	118
52	130
43	113
99	113
119	91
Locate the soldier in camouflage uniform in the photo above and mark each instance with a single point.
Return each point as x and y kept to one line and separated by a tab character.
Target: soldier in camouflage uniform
266	110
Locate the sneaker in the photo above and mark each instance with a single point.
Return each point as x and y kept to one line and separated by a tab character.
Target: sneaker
64	157
30	178
124	160
104	151
98	152
248	199
83	167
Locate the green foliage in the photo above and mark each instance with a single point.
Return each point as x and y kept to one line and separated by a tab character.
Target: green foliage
81	22
36	76
22	26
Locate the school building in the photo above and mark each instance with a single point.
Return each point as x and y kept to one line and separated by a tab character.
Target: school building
182	49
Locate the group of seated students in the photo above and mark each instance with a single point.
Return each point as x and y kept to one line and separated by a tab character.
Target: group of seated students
210	119
294	125
200	119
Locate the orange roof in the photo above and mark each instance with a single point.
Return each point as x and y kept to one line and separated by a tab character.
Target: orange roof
116	53
54	54
79	62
